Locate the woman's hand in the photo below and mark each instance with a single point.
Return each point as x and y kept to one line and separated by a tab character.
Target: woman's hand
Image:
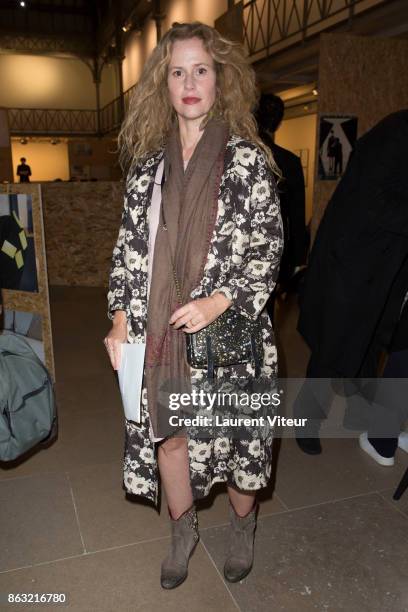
116	337
199	313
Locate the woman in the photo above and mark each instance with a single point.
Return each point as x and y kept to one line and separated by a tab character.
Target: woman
213	218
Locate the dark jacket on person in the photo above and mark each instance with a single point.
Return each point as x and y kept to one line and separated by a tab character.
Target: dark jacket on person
292	198
24	172
358	271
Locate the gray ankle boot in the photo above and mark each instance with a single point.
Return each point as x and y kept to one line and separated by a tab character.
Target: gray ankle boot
241	545
184	538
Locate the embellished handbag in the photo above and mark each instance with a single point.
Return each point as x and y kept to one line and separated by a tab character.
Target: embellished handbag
229	340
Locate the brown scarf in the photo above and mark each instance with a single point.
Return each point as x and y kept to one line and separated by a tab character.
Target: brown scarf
189	200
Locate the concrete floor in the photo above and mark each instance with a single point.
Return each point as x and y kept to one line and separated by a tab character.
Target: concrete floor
329	536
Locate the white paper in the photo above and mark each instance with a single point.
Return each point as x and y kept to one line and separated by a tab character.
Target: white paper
130	375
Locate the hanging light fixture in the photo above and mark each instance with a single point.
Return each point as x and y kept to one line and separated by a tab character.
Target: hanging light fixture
127	26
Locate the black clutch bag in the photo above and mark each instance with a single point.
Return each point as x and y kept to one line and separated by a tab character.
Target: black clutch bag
229	340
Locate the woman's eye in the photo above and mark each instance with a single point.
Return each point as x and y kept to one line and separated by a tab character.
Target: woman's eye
202	70
177	73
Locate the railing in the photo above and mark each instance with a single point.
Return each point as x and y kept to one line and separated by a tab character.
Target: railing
24	121
52	121
111	115
272	25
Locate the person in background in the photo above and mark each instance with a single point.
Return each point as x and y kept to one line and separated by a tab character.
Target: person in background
23	171
291	187
338	157
331	146
356	280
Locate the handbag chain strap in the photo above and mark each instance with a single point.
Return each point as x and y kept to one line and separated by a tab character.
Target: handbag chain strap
178	291
176	281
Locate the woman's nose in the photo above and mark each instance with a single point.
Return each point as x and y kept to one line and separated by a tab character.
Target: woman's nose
189	81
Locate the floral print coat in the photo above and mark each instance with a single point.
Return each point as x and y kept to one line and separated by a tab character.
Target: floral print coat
242	263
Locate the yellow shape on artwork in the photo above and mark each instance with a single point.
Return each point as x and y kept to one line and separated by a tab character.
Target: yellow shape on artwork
23	240
8	248
17	220
19	259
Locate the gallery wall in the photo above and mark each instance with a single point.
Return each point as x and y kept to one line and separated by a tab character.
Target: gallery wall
81	222
34	81
109	85
360	76
94	158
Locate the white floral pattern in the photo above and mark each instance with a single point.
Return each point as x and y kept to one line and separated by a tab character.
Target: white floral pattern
242	263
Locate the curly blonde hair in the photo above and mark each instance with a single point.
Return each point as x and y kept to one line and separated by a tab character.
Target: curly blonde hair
151	114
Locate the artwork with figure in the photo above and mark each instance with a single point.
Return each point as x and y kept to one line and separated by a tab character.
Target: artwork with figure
18	269
27	324
337	135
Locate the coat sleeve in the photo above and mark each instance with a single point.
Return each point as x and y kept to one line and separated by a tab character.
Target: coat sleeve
117	278
257	240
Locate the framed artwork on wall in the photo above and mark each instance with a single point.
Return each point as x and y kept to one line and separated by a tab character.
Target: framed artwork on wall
23	276
337	136
18	269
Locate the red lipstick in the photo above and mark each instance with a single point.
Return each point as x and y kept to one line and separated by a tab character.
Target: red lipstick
191	100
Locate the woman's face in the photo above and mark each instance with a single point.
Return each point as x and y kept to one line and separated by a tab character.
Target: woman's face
191	79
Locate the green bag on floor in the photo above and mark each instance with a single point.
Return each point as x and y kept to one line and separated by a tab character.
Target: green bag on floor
27	402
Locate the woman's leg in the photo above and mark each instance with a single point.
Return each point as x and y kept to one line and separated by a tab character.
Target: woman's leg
175	475
240	554
174	470
242	503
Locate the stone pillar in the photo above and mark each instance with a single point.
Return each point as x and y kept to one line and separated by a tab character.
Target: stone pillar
96	73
